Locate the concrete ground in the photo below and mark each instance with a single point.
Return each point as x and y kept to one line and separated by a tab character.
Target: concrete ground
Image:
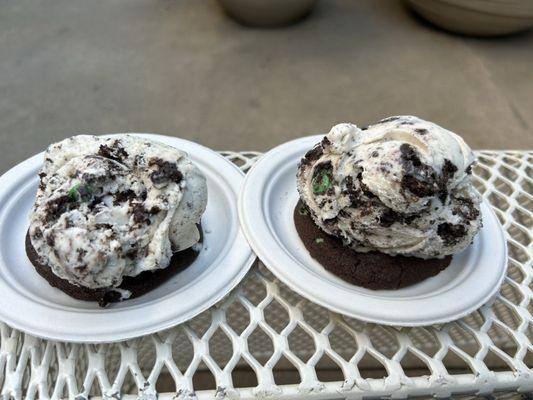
181	67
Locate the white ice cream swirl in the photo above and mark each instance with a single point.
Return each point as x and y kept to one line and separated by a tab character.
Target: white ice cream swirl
401	187
112	207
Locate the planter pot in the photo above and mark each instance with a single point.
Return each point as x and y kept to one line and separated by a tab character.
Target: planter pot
477	17
267	12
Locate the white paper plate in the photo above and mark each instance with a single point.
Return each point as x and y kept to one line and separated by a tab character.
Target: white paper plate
30	304
266	206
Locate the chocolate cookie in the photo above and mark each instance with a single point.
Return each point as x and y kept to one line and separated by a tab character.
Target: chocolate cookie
136	285
371	270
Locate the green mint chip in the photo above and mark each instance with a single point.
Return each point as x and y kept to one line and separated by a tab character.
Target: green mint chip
73	192
322	182
80	192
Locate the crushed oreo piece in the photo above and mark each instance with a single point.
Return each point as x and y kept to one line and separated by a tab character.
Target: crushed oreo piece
418	187
58	206
451	233
410	155
122	197
110	296
419	178
116	153
50	240
42	175
312	155
139	214
132	252
166	172
466	209
81	253
448	171
154	210
354	194
389	217
96	202
103	226
331	221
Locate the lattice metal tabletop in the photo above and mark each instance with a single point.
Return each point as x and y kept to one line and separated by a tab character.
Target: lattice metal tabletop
291	348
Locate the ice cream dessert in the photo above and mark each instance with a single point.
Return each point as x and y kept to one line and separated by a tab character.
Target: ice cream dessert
114	216
399	190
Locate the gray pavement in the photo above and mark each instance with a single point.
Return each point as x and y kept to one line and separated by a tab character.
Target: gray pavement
181	67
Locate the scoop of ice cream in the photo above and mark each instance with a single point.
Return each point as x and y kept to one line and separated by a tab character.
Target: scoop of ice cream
113	207
402	187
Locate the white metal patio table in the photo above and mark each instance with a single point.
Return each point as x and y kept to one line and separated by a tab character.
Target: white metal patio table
266	330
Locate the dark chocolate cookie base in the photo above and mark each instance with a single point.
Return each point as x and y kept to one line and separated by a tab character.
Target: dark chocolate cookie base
137	285
373	270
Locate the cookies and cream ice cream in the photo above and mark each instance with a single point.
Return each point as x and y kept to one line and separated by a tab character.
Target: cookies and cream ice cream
401	187
112	207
